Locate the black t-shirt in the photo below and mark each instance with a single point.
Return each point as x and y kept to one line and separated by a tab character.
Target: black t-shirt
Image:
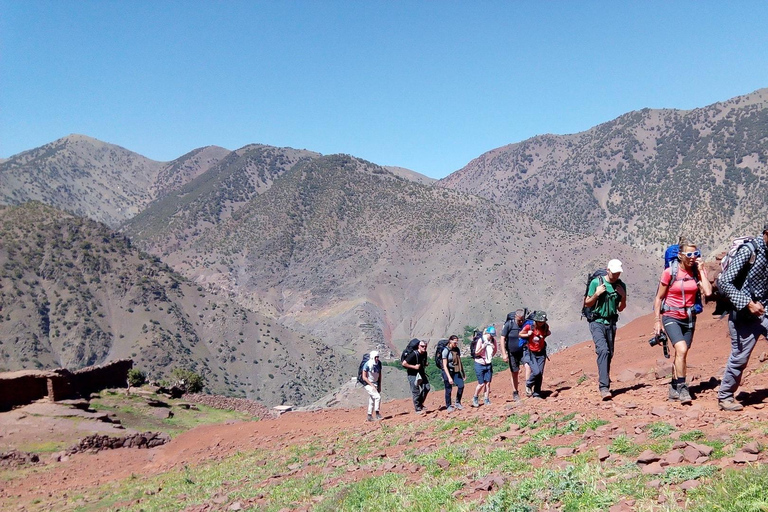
416	357
511	332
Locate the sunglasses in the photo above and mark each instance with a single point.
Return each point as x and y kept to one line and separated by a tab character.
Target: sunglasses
694	254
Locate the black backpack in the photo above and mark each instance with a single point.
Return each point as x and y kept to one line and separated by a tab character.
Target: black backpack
366	357
472	346
442	344
588	312
412	346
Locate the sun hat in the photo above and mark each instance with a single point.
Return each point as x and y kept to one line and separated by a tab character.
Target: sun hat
540	316
615	266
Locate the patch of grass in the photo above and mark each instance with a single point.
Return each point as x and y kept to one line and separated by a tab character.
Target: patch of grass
44	447
592	424
659	429
693	435
733	490
679	474
393	492
624	445
134	413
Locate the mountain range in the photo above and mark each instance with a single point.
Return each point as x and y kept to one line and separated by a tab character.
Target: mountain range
353	255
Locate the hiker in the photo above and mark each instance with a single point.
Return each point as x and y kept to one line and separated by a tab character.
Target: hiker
484	350
536	352
745	283
415	364
453	373
674	309
606	296
513	349
372	378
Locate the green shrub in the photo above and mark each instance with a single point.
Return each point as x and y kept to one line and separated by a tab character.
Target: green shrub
192	380
136	377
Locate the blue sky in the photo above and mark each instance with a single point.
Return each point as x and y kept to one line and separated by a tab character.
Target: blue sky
422	85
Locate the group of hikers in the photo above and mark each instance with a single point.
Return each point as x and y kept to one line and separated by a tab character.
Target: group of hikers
742	292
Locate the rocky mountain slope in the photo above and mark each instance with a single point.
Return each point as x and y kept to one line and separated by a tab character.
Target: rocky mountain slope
97	180
74	293
642	178
360	257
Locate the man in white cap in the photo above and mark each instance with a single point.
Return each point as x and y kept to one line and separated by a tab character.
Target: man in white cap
607	296
372	379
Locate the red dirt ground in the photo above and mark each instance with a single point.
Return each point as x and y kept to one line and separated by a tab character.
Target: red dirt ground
639	397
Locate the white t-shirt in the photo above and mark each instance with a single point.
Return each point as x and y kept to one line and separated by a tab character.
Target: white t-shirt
373	369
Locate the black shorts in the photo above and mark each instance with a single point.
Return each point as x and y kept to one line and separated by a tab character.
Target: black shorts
678	330
515	359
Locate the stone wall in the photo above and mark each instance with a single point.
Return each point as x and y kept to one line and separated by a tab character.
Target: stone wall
23	387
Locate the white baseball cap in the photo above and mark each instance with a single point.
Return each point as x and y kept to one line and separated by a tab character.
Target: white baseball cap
614	266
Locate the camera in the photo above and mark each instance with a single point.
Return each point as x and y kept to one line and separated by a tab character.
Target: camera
660	339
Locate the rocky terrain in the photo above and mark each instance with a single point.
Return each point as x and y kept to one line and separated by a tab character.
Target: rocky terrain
570	451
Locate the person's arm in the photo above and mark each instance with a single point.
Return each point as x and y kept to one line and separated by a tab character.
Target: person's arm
660	294
412	366
739	299
595	291
447	372
704	285
621	289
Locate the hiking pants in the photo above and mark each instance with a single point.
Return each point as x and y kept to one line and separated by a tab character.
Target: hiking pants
744	334
536	360
374	399
419	392
458	382
603	335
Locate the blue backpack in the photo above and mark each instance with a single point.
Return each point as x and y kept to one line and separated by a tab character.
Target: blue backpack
672	262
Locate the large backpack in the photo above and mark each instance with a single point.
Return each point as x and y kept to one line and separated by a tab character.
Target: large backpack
442	344
412	346
588	311
672	262
723	304
473	345
366	358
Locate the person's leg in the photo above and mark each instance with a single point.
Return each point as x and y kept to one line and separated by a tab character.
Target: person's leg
540	377
448	389
459	383
479	387
601	338
487	395
743	339
415	391
373	399
425	387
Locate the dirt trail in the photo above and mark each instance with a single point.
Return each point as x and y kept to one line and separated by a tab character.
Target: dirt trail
639	397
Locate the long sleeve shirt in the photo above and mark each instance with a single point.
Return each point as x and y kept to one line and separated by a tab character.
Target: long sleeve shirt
755	286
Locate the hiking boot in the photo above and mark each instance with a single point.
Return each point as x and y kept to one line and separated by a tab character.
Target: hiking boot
605	394
378	416
685	395
458	406
674	394
421	411
450	408
370	418
487	401
475	402
516	396
536	395
729	404
528	391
